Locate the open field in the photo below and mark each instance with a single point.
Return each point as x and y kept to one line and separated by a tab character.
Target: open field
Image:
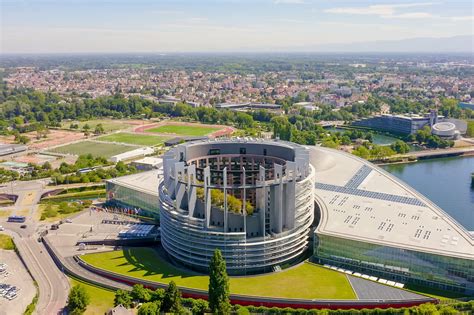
95	148
133	138
100	299
6	242
183	130
108	124
304	281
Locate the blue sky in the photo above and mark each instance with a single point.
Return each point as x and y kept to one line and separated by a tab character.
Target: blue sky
225	25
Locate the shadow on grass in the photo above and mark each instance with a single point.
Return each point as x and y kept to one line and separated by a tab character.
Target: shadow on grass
151	263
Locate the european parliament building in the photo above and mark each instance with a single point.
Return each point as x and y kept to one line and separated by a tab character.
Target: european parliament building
267	204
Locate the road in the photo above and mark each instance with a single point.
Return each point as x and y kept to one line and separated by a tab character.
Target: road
424	153
53	284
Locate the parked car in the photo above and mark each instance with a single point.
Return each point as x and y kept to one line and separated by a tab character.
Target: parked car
23	226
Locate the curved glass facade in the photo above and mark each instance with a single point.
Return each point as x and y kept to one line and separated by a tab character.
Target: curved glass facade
396	264
125	197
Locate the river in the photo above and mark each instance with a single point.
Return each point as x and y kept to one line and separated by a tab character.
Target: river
446	182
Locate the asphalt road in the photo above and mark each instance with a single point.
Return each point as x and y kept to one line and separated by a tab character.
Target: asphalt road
53	284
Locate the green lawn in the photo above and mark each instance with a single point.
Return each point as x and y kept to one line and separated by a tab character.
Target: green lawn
185	130
109	125
95	148
6	242
306	281
133	138
100	299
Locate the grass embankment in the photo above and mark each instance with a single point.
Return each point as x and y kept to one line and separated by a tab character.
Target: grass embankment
306	281
57	211
97	193
100	299
134	138
185	130
6	242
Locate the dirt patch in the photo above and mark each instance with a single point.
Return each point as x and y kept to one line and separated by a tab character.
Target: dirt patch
54	138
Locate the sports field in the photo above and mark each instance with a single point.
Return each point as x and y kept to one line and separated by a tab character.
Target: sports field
133	138
185	130
108	124
95	148
305	281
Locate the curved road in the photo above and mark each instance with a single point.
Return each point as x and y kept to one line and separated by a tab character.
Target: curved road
52	283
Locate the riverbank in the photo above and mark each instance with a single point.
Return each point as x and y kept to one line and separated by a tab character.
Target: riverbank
413	157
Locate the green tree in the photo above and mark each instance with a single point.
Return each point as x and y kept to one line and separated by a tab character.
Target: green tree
400	146
123	297
172	299
149	308
99	129
219	302
78	300
200	306
139	293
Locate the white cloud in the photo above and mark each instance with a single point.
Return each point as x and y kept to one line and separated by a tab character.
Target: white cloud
382	10
413	15
462	18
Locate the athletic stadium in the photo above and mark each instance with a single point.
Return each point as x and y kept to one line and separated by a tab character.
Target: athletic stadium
269	204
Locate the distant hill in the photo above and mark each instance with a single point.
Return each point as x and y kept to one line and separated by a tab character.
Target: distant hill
456	44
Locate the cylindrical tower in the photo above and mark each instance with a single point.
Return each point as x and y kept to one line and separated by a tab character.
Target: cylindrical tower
252	199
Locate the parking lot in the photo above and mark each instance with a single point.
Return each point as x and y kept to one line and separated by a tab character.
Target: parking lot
87	226
16	285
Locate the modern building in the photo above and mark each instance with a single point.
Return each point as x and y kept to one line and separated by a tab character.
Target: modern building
140	152
135	192
6	149
371	222
398	124
148	163
252	199
267	204
244	106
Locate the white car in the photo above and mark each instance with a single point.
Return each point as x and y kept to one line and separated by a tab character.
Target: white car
68	221
1	228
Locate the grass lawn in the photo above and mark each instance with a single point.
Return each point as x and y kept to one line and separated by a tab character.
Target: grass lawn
133	138
108	124
305	281
185	130
6	242
100	299
95	148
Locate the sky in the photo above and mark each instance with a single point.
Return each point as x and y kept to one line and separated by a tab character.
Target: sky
69	26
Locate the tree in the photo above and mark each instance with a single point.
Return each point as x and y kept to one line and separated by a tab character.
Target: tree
172	299
139	293
123	298
219	302
99	129
200	306
149	308
78	300
400	146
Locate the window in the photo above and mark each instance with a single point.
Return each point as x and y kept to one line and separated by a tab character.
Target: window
264	151
243	150
214	152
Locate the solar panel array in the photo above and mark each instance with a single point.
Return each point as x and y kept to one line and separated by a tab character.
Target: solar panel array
371	194
359	177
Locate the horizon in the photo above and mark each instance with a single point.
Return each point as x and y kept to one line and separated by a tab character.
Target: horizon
263	26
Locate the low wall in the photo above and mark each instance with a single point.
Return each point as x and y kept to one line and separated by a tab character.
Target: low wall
247	300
